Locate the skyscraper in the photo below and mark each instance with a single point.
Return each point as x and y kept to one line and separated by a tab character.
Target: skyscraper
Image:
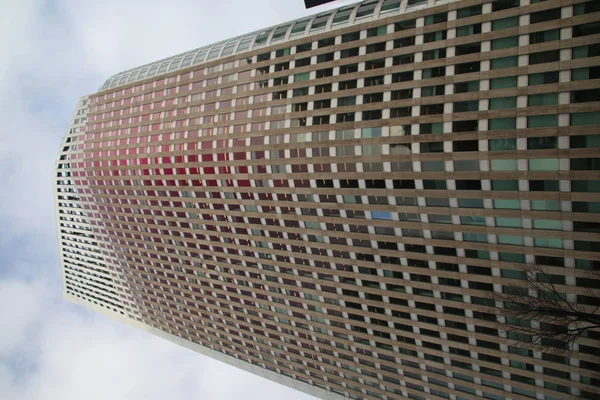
333	203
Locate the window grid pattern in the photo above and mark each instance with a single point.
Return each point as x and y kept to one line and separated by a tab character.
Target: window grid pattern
346	228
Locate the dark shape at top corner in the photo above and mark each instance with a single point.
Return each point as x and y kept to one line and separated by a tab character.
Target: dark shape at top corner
315	3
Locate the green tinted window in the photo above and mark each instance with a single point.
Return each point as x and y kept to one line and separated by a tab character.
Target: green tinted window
502	123
503	102
542	121
503	83
505	23
503	165
505	185
507	204
589	118
504	62
543	78
544	99
551	224
545	205
502	144
543	164
505	43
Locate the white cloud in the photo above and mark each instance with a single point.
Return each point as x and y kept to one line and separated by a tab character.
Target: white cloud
52	53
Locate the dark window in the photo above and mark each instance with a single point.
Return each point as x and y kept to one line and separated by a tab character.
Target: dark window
348	69
543	16
371	115
404	42
350	37
344	85
375	47
374	64
326	42
434	36
434	54
403	76
468	48
374	80
431	109
464	126
302	62
353	52
544	57
465	145
463	184
404	25
303	47
500	5
583	96
402	94
466	68
372	98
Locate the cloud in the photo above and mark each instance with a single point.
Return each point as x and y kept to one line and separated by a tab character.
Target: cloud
54	52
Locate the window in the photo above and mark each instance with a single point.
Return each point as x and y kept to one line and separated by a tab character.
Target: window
543	16
350	37
466	106
500	5
404	42
550	142
346	101
584	96
468	30
543	78
348	69
502	144
434	36
404	59
428	91
586	29
404	25
505	185
468	11
505	43
543	186
465	87
375	64
434	72
466	68
304	76
403	76
542	121
436	18
432	109
501	103
585	141
584	74
468	48
545	99
543	164
545	36
544	57
375	47
434	54
589	118
352	52
502	123
505	23
585	8
592	50
503	83
504	62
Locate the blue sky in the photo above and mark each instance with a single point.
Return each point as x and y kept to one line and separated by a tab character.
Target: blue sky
52	53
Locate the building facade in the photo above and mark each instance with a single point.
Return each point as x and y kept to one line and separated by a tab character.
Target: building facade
332	203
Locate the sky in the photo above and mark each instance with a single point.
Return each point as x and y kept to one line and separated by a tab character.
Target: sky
52	53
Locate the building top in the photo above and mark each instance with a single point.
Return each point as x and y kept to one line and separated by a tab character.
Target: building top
318	23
